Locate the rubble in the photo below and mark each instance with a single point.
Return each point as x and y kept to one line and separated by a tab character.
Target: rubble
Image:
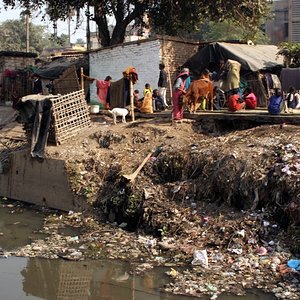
221	212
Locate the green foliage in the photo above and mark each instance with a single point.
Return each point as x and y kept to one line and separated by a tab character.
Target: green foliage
173	17
13	37
80	42
163	231
58	41
226	31
188	16
291	54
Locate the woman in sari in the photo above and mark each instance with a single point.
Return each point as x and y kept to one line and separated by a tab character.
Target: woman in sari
180	87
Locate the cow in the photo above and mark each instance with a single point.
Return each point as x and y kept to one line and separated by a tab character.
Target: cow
199	90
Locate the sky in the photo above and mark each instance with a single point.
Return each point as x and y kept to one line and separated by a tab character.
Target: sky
62	27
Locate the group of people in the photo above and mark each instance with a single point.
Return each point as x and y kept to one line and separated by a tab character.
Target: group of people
278	103
247	101
228	78
153	100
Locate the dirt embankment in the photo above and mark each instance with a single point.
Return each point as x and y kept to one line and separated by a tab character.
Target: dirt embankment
245	170
237	196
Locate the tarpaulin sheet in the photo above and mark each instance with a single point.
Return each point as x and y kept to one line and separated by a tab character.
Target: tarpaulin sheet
251	57
35	110
289	77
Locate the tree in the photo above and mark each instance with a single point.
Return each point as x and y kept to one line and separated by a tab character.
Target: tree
13	37
226	31
171	17
180	16
291	53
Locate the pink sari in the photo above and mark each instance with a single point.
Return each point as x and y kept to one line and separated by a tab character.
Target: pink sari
178	108
102	89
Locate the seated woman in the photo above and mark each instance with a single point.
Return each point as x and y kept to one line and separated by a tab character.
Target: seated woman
249	98
276	103
147	89
146	105
235	103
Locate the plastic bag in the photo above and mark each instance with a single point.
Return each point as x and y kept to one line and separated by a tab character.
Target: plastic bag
200	258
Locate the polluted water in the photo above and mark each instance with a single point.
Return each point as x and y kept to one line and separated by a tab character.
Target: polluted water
51	279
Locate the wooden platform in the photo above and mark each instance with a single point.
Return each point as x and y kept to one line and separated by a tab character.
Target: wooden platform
259	115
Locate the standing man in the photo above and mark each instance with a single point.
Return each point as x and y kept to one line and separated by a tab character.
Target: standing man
162	84
37	85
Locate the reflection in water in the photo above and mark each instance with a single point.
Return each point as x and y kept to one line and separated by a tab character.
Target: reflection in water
86	280
35	278
63	280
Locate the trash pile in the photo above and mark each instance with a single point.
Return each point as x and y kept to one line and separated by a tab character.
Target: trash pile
222	212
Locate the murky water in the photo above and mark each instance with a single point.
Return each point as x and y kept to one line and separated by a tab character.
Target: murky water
35	278
18	225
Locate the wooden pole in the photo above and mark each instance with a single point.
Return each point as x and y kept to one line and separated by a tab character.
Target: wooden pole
131	98
81	78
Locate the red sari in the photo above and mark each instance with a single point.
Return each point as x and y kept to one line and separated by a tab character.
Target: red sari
178	107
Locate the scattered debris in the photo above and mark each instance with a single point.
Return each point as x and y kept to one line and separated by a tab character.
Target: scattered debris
218	211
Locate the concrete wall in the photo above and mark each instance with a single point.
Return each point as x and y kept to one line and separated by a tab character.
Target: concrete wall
42	183
145	56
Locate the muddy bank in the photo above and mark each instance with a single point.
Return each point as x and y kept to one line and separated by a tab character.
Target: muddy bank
232	198
235	196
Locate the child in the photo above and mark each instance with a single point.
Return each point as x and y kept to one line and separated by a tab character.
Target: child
276	103
136	98
147	89
249	98
292	100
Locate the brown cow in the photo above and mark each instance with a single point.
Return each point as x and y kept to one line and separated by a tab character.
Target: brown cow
198	91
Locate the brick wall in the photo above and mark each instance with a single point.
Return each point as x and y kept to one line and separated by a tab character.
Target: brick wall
14	63
174	54
18	86
145	56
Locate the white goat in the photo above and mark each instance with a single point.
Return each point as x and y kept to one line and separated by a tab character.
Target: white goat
119	112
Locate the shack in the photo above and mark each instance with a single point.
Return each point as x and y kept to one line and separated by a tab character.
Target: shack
289	77
145	56
61	75
260	65
15	71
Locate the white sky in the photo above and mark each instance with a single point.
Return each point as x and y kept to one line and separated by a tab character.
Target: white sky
62	27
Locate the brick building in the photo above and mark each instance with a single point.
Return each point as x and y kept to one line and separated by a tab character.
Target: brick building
145	55
294	20
285	23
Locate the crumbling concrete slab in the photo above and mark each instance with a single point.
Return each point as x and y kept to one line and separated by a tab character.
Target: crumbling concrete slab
41	182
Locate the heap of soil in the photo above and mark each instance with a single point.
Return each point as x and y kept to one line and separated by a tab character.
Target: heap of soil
248	170
235	195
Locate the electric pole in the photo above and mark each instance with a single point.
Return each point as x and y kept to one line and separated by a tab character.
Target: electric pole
27	21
